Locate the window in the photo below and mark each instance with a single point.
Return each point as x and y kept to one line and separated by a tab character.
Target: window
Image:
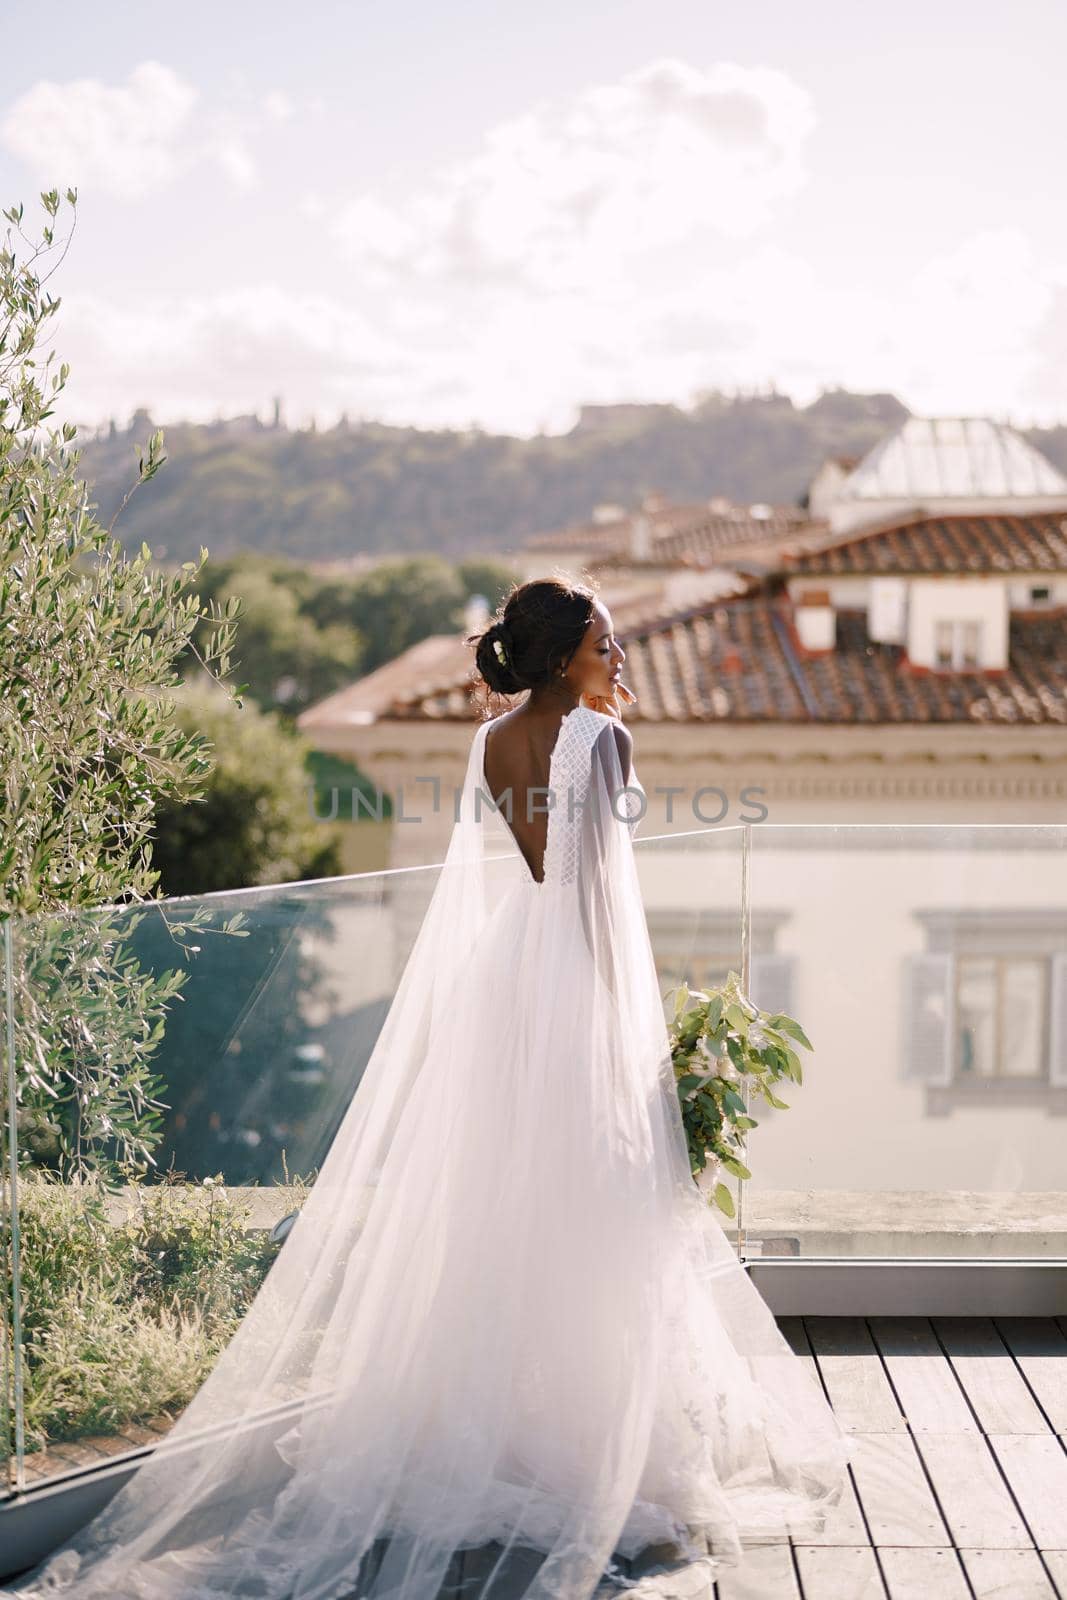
1040	593
958	644
986	1009
1001	1010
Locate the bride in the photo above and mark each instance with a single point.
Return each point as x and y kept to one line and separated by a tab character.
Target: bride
506	1345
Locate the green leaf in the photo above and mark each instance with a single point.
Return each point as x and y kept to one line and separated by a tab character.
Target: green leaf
733	1101
724	1199
793	1029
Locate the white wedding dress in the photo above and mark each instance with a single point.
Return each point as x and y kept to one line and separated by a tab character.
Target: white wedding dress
506	1316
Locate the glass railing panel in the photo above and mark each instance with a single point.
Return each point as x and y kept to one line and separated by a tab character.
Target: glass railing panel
928	967
691	886
220	1040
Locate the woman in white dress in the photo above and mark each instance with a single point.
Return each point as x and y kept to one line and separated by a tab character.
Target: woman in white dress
506	1345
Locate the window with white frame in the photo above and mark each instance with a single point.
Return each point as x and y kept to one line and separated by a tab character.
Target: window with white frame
986	1008
1001	1009
958	644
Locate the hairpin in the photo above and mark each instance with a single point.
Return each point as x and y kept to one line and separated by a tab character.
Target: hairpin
499	651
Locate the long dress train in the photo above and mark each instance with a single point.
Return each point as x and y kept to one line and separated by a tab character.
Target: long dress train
505	1315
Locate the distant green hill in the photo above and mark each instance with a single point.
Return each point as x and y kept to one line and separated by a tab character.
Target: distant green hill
371	488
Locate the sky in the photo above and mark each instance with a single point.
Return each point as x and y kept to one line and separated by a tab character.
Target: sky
473	214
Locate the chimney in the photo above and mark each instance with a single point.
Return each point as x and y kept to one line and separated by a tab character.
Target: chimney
815	620
640	537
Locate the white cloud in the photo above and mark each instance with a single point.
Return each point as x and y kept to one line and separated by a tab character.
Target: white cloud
235	161
972	314
637	241
124	140
232	351
278	106
608	245
518	362
567	197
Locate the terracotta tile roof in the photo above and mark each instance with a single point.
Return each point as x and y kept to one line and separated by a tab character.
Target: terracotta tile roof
432	663
649	605
679	534
433	677
706	537
731	653
967	542
740	661
604	536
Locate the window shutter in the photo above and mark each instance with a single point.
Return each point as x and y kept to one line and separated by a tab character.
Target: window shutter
770	982
928	1030
1057	1043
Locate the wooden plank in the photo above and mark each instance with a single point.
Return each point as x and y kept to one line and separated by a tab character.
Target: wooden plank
974	1499
844	1524
848	1574
916	1574
1040	1348
1035	1466
1007	1575
925	1383
1056	1562
859	1390
766	1570
984	1365
795	1335
893	1491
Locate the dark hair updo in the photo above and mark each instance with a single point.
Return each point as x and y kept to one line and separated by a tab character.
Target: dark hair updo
541	625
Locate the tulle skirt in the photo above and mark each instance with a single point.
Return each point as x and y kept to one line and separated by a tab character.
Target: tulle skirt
535	1333
595	1366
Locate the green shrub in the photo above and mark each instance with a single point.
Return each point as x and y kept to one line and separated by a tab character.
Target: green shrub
123	1320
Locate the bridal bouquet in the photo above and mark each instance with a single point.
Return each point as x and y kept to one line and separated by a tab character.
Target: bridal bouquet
719	1042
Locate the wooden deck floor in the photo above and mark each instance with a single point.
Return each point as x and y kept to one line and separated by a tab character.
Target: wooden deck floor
959	1486
958	1490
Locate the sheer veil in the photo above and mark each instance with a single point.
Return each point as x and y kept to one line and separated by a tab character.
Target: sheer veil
505	1319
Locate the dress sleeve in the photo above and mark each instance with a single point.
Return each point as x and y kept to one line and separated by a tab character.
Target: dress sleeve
610	901
636	801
